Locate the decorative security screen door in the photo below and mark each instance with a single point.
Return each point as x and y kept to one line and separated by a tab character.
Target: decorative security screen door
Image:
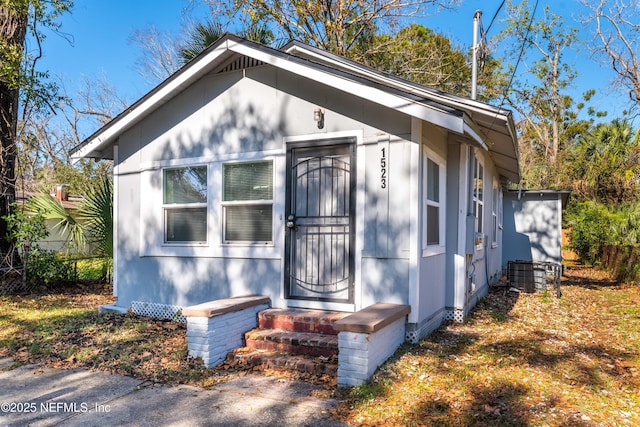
320	213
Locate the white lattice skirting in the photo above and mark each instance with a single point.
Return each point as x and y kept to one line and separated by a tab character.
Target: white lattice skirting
412	337
455	314
158	311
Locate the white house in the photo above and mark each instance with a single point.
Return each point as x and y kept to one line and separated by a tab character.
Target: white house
308	178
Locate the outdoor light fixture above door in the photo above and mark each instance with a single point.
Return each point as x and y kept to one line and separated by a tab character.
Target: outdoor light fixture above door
318	116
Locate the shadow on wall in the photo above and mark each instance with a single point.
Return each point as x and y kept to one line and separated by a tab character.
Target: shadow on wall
238	127
387	223
538	214
517	246
220	117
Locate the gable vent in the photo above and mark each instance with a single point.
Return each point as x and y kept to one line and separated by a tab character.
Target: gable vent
240	63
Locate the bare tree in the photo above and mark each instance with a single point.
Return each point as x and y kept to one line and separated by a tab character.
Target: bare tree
96	101
617	30
159	53
535	44
44	141
333	25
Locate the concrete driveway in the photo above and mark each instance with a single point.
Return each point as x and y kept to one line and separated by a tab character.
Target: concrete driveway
38	396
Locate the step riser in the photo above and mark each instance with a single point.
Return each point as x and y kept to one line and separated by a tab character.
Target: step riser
292	348
294	340
287	363
300	321
287	325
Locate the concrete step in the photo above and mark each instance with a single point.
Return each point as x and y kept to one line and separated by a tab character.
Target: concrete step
300	320
304	343
267	359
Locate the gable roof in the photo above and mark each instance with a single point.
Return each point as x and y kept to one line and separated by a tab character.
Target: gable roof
494	124
474	122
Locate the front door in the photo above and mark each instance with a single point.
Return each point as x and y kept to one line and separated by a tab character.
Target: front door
319	262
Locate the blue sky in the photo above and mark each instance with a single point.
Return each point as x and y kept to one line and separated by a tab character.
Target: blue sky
96	41
100	32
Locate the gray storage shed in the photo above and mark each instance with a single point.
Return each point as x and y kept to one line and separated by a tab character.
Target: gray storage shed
532	225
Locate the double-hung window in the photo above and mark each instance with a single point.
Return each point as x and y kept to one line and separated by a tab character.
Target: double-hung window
434	202
495	201
478	194
247	202
185	204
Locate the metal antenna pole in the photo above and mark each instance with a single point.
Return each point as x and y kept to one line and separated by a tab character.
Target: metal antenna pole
474	66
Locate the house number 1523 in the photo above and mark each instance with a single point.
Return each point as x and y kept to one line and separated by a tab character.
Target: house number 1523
383	168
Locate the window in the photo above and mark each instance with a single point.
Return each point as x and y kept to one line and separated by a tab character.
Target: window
494	214
478	196
247	202
500	207
433	203
434	185
185	204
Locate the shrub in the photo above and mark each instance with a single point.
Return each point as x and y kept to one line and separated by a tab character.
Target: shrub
48	269
592	226
39	266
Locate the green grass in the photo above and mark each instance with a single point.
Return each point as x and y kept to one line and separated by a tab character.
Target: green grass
92	269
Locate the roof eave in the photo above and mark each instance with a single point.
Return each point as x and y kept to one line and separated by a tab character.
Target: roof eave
449	112
96	145
505	148
404	102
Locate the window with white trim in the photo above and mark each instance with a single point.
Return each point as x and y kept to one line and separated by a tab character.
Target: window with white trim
434	172
494	214
247	202
184	193
478	194
500	210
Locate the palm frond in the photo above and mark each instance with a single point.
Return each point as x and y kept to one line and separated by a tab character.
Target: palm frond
96	213
51	209
202	36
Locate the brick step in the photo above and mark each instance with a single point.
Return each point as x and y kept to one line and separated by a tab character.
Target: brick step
300	320
267	359
305	343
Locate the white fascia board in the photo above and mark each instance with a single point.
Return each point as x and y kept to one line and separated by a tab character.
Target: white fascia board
449	100
88	148
473	131
476	131
166	90
154	99
397	102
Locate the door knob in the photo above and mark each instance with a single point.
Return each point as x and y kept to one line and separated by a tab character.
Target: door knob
291	221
